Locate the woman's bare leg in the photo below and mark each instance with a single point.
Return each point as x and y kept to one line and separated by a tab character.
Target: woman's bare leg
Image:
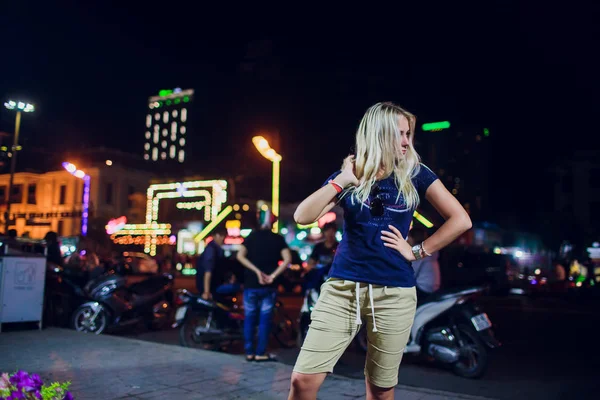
378	393
305	386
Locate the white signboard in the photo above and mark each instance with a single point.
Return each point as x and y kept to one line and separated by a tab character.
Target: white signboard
22	281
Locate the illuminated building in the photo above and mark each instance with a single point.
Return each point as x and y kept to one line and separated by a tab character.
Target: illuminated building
576	196
167	125
54	201
460	156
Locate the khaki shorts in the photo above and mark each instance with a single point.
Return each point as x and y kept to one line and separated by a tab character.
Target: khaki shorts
334	325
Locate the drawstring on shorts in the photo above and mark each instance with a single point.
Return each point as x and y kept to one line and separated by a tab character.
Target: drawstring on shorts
358	320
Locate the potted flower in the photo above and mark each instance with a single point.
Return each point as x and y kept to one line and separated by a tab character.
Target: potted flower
21	385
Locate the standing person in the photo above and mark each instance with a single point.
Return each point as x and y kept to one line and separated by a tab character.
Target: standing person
427	270
319	262
54	255
207	265
260	254
12	242
371	275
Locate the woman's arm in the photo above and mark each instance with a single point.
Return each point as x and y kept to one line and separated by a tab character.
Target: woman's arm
457	220
316	205
323	200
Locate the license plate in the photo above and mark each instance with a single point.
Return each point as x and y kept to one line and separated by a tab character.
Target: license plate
180	314
481	322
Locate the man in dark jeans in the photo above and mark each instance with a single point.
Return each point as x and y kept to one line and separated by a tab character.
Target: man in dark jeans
208	266
260	254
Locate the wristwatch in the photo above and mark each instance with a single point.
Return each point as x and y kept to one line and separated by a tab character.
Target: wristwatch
416	249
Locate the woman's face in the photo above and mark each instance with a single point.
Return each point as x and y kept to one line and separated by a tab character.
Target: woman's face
405	134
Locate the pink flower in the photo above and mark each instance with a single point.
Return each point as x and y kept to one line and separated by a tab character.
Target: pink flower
4	381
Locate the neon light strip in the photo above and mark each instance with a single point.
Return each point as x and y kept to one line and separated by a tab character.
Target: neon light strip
147	226
309	226
423	220
275	194
187	193
187	185
86	205
124	232
213	223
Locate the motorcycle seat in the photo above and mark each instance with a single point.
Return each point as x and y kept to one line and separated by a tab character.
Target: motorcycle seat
446	294
148	286
146	298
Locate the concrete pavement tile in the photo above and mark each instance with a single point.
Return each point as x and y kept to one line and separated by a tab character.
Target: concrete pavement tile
325	394
101	393
169	393
262	377
135	390
402	394
245	394
178	380
210	388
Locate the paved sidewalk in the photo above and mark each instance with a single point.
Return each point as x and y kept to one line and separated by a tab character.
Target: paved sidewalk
108	367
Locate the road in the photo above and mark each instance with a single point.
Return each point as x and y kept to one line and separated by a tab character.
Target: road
549	352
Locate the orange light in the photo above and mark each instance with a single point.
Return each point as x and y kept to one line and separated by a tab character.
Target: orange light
138	240
233	224
234	240
79	173
327	218
262	143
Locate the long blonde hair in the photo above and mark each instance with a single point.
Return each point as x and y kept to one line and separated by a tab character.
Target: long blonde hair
378	149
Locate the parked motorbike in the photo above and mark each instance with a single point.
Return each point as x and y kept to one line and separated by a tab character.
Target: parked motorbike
63	294
451	328
112	304
214	324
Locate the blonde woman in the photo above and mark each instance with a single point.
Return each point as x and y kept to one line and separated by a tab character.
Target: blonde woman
371	275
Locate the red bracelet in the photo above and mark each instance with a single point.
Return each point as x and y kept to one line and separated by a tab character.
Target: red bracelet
337	187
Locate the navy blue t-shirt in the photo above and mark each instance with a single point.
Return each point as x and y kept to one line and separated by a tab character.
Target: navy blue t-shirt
361	255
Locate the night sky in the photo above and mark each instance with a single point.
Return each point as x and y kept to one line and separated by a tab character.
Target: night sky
527	72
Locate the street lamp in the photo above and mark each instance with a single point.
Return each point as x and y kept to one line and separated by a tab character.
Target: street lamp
262	145
72	169
19	106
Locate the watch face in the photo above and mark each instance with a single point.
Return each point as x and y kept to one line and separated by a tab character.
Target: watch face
417	251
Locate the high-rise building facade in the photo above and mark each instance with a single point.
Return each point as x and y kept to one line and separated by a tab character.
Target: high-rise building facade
166	125
460	156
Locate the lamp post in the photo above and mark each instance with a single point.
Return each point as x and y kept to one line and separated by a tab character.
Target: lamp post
262	145
19	106
72	169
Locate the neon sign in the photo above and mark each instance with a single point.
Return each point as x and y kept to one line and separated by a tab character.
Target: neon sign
212	194
115	225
